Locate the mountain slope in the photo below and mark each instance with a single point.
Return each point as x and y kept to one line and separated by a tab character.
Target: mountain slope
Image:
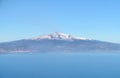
58	42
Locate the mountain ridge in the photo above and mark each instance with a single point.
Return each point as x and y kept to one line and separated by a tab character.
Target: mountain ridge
57	42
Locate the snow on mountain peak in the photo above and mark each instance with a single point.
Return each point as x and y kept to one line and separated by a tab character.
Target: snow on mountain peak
59	36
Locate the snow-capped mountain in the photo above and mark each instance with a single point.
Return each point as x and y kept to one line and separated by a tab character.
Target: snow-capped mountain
59	36
58	42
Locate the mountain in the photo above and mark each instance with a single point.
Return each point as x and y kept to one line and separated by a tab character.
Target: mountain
57	42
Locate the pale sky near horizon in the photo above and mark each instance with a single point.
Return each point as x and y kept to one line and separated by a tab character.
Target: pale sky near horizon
96	19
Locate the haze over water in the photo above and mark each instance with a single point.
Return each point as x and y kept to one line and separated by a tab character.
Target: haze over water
60	65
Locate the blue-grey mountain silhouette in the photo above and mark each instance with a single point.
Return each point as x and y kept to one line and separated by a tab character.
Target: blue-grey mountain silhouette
57	42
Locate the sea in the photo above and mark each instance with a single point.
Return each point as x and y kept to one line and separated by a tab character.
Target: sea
60	65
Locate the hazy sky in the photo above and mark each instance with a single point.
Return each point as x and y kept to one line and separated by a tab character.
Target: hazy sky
97	19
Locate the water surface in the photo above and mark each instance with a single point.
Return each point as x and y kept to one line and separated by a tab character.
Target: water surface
60	65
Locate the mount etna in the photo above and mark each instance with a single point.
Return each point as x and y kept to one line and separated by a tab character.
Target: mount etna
57	42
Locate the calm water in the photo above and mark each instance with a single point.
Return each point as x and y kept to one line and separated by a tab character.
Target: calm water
61	65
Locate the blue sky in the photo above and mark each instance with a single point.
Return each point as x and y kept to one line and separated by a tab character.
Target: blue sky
97	19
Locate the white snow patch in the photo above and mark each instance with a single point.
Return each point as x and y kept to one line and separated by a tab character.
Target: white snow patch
59	36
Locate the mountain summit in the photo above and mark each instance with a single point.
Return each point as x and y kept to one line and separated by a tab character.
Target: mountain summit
59	36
